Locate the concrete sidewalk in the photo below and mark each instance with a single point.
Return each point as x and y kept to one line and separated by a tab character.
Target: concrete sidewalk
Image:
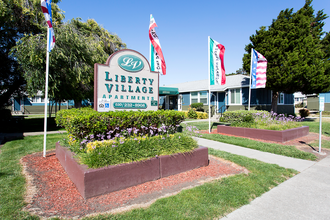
283	161
305	196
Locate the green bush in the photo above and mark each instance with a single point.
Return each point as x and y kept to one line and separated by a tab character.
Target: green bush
238	116
304	112
198	106
86	121
192	114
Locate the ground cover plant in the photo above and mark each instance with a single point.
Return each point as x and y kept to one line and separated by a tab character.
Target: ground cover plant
289	151
111	138
120	150
208	201
260	120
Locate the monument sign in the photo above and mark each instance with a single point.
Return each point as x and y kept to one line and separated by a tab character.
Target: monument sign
125	82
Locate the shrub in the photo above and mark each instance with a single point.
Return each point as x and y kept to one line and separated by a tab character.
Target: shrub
87	122
192	114
237	116
261	120
202	115
198	106
304	112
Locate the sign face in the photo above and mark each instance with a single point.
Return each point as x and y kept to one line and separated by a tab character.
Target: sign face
125	82
321	104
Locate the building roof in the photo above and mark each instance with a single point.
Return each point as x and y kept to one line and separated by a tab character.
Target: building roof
232	81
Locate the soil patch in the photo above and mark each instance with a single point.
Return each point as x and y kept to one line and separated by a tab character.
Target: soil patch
51	193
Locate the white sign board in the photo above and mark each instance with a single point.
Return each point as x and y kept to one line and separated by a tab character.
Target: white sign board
321	104
125	82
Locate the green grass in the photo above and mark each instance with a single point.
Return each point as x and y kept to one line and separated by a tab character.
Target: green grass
324	144
289	151
285	150
12	182
216	198
208	201
315	127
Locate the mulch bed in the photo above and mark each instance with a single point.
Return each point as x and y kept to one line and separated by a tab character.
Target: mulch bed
51	193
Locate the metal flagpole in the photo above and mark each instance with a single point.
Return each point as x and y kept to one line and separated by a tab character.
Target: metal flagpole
208	55
46	92
250	80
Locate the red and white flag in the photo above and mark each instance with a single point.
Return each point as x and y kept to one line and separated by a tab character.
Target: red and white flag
217	64
157	60
258	70
46	9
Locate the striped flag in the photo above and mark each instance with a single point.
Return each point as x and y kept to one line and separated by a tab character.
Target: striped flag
157	60
46	9
216	65
258	70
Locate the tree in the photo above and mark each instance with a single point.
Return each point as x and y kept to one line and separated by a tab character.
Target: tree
292	44
17	18
71	69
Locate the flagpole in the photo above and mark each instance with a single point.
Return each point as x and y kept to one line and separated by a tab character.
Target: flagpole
250	81
208	55
46	93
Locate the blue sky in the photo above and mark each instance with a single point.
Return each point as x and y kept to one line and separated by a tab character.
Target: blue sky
184	26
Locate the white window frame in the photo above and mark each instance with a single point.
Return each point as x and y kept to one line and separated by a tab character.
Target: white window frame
229	96
199	97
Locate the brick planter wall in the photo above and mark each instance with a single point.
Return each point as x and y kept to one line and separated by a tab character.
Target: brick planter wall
270	135
94	182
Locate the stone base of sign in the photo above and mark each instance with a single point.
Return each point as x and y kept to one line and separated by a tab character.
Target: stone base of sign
269	135
94	182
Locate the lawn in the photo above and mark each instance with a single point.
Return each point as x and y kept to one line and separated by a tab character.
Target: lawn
284	150
208	201
314	126
12	181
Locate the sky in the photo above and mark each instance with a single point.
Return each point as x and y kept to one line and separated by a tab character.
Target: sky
184	27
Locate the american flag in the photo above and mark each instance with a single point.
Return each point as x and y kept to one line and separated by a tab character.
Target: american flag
46	9
259	68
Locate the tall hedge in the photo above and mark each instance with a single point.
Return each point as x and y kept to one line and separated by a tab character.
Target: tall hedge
86	121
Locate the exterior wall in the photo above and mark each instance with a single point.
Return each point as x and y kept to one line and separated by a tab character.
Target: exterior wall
258	96
313	102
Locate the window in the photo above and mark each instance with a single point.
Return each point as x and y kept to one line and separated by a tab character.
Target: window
197	97
203	97
235	96
194	97
281	98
